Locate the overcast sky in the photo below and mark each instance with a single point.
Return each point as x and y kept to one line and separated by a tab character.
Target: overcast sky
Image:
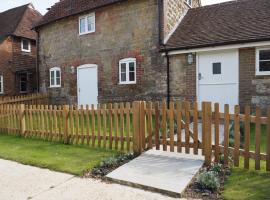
41	5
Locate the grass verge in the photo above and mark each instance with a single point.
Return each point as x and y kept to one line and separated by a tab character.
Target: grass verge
52	155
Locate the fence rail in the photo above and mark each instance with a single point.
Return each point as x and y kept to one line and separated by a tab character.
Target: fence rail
179	127
37	98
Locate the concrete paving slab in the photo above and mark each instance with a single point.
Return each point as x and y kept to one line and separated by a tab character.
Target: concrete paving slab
166	172
22	182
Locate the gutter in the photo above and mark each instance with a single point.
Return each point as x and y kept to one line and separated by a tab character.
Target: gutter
168	80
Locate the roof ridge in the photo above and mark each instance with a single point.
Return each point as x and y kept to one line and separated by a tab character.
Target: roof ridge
25	5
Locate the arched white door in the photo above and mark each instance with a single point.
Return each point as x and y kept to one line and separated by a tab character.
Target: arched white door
87	84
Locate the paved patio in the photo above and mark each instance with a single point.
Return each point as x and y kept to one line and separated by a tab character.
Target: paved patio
159	171
21	182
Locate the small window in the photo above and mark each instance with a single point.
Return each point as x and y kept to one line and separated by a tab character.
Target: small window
216	68
26	45
87	24
263	62
55	77
189	2
127	71
1	84
23	83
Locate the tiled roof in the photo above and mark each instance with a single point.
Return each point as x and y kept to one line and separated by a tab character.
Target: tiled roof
232	22
19	22
66	8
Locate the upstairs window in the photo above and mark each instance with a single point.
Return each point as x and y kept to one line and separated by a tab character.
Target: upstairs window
263	61
127	71
189	2
87	24
26	45
55	77
1	84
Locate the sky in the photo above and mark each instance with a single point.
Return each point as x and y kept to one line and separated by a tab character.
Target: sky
42	5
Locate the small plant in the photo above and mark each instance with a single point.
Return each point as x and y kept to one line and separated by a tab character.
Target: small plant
209	180
216	168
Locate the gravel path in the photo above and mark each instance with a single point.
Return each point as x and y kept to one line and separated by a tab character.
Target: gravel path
21	182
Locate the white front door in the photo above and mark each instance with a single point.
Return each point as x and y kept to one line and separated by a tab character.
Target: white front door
87	80
218	78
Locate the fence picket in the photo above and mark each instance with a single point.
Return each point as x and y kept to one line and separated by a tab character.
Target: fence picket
99	125
104	116
187	122
164	125
171	126
128	125
247	136
88	127
236	136
195	127
157	143
268	141
226	134
110	125
217	122
150	126
122	125
142	124
257	139
116	125
179	126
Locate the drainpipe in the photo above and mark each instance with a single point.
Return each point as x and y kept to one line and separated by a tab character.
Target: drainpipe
168	79
37	60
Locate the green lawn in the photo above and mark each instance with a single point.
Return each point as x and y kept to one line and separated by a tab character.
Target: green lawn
55	156
249	184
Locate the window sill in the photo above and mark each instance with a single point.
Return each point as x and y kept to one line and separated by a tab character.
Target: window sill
262	74
127	83
55	86
86	33
26	51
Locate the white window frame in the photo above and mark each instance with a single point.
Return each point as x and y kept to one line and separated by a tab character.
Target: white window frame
189	4
127	61
55	85
258	72
29	46
86	24
2	84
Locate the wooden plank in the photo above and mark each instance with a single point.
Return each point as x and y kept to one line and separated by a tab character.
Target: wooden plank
77	124
128	126
31	120
87	126
60	123
104	116
51	122
93	119
208	133
226	134
116	125
195	127
236	135
150	126
257	139
247	136
46	122
171	126
157	143
99	125
217	122
268	142
142	124
55	121
82	118
179	126
164	125
110	125
122	125
187	123
136	127
22	110
38	120
65	124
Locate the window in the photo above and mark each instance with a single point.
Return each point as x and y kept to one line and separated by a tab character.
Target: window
189	2
55	77
23	83
216	68
127	71
26	45
1	84
263	61
87	24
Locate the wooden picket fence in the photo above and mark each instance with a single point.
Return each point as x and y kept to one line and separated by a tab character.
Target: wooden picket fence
30	99
178	127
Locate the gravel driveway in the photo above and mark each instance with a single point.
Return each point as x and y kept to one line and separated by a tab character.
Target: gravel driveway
21	182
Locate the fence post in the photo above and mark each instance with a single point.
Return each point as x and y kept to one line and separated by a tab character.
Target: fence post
136	127
208	133
22	122
66	115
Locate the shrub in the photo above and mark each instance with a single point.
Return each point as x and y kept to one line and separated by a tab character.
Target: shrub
209	180
217	168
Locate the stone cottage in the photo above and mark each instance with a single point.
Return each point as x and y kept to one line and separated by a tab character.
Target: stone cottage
106	50
18	50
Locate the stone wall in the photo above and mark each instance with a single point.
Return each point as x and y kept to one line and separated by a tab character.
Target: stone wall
127	29
174	10
254	90
182	78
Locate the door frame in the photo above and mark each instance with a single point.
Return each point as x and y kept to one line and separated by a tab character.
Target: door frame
85	66
197	72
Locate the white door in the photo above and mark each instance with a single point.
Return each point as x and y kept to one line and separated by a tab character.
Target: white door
87	79
218	78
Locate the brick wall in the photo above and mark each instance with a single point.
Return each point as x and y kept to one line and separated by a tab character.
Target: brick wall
182	78
254	90
174	10
134	26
